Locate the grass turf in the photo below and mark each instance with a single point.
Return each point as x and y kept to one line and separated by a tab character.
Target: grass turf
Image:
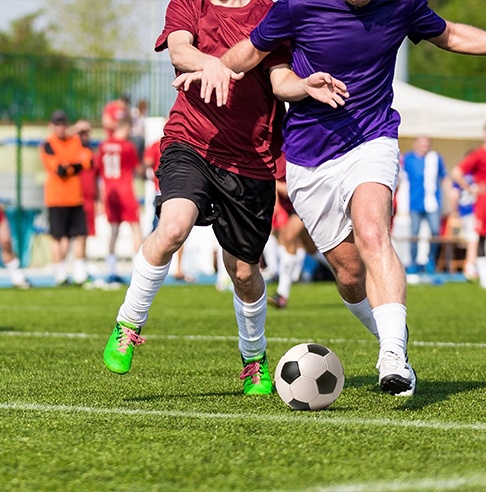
178	420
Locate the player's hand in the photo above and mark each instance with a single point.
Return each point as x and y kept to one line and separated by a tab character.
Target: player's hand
325	88
62	171
215	77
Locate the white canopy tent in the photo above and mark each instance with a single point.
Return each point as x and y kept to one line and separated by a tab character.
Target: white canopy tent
439	117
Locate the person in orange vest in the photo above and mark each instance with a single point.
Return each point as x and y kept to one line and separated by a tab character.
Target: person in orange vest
64	157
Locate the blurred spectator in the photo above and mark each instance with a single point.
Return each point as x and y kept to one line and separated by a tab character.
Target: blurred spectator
64	157
425	171
89	177
475	164
137	134
118	162
294	239
115	111
462	208
9	259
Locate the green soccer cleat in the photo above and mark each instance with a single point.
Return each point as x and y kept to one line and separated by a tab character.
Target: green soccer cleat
118	352
256	376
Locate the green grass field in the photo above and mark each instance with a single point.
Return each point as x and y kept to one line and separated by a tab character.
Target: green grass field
178	420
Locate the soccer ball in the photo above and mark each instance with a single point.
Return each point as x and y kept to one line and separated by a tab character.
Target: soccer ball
309	376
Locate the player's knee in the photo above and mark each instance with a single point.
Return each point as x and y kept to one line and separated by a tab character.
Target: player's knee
244	276
372	241
172	235
352	276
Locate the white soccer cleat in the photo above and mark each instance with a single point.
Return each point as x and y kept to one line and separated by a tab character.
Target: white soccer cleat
396	375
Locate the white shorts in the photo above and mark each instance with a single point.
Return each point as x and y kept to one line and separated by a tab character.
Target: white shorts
321	195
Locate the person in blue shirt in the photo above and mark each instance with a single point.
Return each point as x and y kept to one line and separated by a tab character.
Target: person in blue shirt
343	155
425	170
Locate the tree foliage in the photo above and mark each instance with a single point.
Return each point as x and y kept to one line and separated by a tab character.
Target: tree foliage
427	59
22	36
86	28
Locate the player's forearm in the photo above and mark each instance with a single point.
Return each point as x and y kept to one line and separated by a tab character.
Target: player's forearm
287	86
187	58
243	56
461	38
458	176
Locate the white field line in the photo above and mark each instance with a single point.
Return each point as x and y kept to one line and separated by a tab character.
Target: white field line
433	484
293	417
222	338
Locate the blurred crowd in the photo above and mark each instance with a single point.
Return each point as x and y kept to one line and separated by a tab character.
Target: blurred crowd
85	179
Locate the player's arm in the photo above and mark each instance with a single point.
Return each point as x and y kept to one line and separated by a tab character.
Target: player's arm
458	176
241	58
461	38
288	86
211	72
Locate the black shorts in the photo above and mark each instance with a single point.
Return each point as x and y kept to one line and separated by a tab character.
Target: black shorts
240	209
67	222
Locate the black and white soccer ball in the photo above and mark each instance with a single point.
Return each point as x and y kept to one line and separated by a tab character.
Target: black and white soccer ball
309	376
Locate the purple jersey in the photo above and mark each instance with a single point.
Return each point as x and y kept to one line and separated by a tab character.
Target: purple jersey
356	45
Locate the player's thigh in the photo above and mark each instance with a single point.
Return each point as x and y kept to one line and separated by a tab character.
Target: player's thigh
370	210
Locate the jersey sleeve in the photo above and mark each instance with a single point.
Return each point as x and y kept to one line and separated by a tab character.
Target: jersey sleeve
181	15
468	164
48	156
425	23
275	28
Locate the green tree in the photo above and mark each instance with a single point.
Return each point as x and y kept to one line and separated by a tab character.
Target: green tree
451	74
22	37
427	59
104	29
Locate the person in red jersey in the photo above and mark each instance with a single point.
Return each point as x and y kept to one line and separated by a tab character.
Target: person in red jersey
474	164
118	161
218	168
113	112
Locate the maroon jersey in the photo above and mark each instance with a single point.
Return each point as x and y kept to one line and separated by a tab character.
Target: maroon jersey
244	136
117	160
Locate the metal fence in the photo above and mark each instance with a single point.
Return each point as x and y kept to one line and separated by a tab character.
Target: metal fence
32	87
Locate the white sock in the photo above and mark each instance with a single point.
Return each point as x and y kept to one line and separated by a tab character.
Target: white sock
362	310
251	325
60	272
481	267
111	261
392	329
13	265
16	275
288	264
80	272
270	254
145	283
299	264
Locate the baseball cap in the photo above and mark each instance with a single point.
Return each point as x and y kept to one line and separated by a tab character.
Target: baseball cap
59	117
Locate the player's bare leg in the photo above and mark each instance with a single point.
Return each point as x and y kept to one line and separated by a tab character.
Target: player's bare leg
151	267
386	286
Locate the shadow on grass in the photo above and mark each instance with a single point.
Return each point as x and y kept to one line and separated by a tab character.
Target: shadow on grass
165	396
426	393
8	328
